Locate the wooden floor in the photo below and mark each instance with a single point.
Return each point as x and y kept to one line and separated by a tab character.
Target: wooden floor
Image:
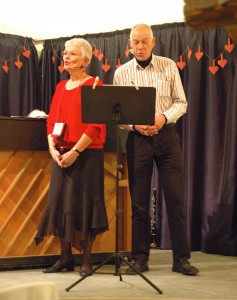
216	280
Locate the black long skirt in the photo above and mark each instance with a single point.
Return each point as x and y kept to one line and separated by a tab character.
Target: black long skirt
75	209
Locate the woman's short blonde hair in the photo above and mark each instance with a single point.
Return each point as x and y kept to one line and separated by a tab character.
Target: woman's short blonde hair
83	44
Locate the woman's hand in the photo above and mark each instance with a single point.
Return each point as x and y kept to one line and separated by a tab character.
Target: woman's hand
55	155
68	158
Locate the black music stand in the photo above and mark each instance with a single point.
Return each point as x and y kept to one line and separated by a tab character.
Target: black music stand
122	105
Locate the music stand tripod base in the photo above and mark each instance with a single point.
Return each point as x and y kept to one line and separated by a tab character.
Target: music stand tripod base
116	103
117	257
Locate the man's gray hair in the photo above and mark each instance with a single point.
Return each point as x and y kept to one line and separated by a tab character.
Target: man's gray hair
141	25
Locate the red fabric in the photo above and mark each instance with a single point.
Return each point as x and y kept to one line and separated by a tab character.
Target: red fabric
66	108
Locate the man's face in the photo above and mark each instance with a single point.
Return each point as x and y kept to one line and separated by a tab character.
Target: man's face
142	43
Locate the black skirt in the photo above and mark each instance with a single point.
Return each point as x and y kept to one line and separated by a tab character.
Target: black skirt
75	210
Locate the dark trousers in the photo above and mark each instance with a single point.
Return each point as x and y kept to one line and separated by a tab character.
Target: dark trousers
142	151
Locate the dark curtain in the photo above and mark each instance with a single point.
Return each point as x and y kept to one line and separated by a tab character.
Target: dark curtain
208	133
19	87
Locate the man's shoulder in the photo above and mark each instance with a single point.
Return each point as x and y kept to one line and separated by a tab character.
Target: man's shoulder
126	65
162	59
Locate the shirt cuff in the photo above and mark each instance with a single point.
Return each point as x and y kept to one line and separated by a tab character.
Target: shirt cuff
127	127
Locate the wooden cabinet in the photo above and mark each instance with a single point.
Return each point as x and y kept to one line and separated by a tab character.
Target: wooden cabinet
25	167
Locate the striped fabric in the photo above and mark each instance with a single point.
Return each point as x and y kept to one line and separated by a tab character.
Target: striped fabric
162	73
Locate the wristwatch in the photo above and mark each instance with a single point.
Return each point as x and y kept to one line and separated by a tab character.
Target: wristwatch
76	150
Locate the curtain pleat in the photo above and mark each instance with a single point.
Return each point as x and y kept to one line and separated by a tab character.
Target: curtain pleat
19	87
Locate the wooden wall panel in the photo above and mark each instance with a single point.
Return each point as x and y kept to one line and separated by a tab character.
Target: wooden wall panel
24	183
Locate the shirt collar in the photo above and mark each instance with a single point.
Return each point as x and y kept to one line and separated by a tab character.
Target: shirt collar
144	64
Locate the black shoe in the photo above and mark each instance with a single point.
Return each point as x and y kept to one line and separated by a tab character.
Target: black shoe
183	266
85	270
69	265
141	265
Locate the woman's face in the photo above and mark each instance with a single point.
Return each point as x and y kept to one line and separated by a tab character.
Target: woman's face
73	58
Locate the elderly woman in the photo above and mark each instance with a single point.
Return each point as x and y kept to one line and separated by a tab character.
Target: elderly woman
75	211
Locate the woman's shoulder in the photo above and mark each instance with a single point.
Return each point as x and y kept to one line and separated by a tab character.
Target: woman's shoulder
62	83
60	86
91	80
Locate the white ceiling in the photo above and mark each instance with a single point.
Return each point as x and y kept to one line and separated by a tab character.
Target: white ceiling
47	19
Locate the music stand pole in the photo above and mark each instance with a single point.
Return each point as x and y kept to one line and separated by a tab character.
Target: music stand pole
119	169
100	99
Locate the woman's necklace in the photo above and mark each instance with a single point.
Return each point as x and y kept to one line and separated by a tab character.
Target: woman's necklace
71	84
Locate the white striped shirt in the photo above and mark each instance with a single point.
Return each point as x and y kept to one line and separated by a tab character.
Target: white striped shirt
162	73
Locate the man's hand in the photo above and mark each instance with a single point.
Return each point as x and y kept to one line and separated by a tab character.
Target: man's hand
160	121
150	130
141	128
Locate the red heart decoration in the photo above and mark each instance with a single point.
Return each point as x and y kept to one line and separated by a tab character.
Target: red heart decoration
26	53
119	64
181	64
189	53
222	62
127	52
18	64
61	69
95	52
199	55
213	69
100	56
5	68
229	47
106	67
